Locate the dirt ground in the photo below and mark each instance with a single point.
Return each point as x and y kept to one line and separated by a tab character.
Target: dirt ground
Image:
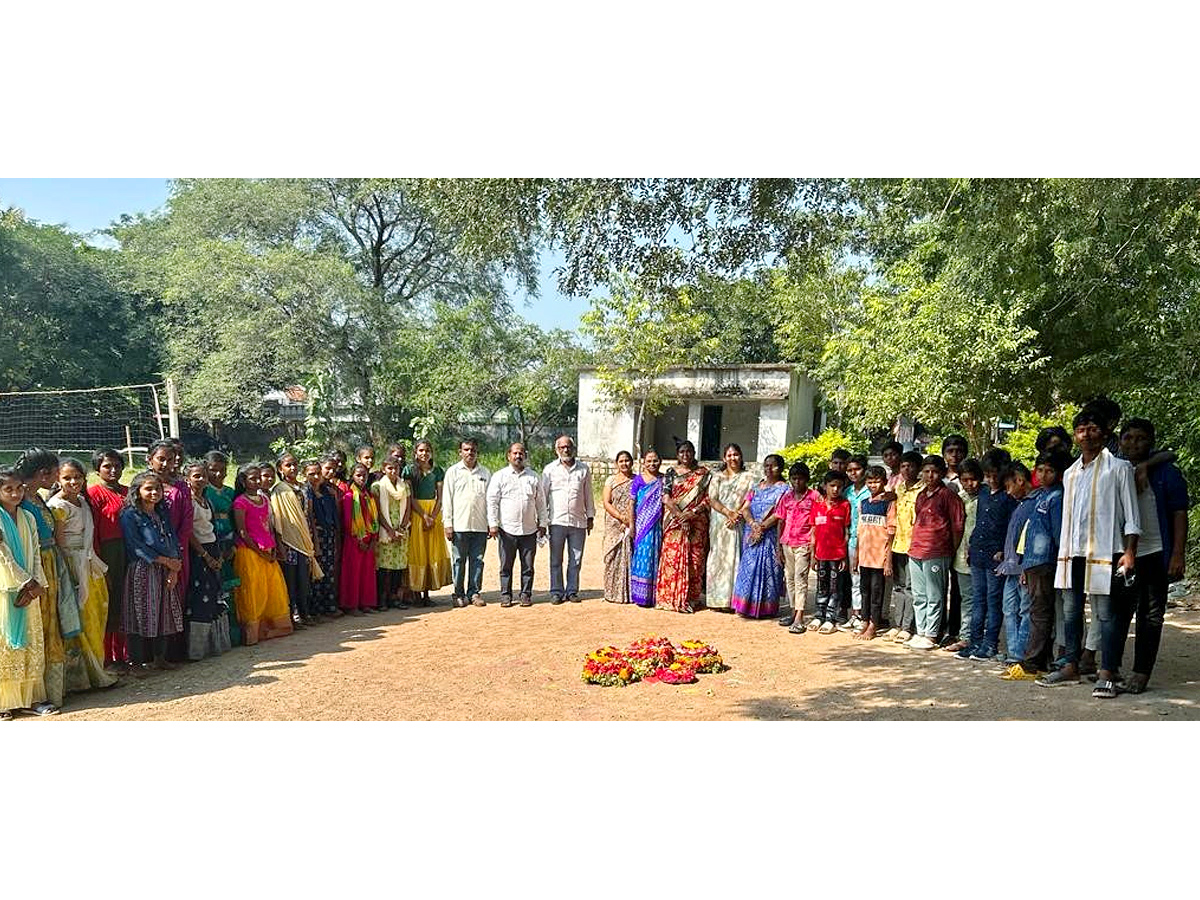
524	663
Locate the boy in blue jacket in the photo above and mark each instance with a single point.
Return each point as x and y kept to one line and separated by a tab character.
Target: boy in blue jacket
1038	549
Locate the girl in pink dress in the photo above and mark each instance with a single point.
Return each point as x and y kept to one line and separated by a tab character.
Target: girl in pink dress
360	527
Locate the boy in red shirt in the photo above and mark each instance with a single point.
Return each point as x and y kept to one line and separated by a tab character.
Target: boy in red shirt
937	529
831	533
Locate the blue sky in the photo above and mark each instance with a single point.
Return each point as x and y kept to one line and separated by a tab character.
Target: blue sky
87	204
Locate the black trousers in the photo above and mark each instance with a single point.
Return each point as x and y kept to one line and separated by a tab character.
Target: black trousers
1147	598
870	583
512	546
298	579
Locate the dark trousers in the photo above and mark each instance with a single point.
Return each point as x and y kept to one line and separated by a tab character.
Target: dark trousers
844	588
1040	581
952	612
1073	602
987	607
871	585
512	545
905	618
1147	598
830	586
143	650
298	579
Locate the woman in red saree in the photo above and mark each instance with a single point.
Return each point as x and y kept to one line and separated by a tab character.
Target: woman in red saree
685	533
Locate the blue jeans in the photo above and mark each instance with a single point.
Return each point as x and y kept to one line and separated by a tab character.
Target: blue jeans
572	539
1073	599
1017	607
930	583
987	603
468	562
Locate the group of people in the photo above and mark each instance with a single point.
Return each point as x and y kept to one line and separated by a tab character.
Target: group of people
103	579
980	557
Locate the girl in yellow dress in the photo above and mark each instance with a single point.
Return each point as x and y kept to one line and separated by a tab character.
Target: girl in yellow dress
22	584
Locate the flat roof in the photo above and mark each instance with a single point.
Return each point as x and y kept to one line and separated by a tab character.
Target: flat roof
777	367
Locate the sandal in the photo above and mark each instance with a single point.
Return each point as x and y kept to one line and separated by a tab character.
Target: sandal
1133	685
1104	690
6	715
797	628
1055	679
45	708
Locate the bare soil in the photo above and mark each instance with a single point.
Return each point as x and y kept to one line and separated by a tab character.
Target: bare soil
524	663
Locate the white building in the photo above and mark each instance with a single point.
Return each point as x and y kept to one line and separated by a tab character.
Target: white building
762	408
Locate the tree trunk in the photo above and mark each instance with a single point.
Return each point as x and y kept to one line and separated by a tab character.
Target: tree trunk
638	418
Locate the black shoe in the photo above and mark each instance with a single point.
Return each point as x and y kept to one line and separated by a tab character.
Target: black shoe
506	602
526	600
786	621
557	600
574	598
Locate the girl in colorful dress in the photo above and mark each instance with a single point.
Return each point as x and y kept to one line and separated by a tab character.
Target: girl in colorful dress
261	595
207	611
76	540
22	583
647	491
322	499
392	494
428	556
685	533
107	499
220	496
360	527
759	583
726	491
152	609
618	526
292	517
164	458
38	469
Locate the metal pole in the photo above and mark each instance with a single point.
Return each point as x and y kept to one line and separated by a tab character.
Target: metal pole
129	445
173	407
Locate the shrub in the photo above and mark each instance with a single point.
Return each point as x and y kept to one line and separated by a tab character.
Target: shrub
815	453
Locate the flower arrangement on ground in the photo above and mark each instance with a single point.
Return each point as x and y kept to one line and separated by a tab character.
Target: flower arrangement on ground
650	653
700	656
676	673
608	666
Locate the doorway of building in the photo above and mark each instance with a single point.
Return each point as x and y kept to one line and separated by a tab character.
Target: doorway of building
710	432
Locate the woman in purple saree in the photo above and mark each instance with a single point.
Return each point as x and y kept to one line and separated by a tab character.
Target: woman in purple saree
647	490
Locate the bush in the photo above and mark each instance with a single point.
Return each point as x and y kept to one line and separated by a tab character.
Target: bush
1021	443
815	453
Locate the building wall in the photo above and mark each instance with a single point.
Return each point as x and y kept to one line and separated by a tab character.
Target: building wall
763	409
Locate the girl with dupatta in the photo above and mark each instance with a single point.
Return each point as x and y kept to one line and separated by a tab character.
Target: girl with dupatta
22	582
647	491
76	539
391	556
726	492
759	583
685	533
360	526
60	613
428	552
618	527
261	595
220	500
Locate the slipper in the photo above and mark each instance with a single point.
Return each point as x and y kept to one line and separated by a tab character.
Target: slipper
1132	685
1054	679
1104	690
45	708
797	628
5	715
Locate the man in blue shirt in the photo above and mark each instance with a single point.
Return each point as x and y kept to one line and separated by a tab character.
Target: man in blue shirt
1163	508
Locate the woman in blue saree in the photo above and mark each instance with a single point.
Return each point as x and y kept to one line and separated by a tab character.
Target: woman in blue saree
759	582
647	490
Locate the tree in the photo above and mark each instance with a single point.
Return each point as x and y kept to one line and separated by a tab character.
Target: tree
542	386
639	337
937	351
68	322
304	277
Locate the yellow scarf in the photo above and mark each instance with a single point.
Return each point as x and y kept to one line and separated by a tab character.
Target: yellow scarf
293	524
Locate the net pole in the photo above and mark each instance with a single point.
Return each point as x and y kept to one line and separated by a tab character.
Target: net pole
158	416
172	408
129	445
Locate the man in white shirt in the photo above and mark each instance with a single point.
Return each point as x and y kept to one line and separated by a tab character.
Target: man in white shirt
516	514
464	512
1098	541
572	511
